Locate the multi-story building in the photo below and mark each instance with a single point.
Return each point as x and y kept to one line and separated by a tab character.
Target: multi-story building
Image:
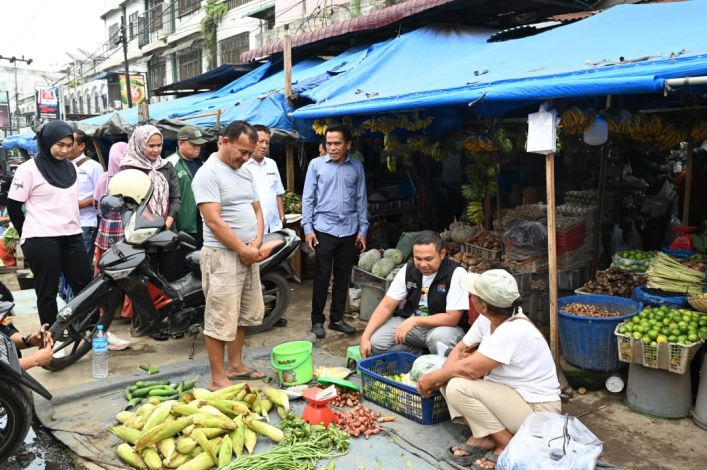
20	84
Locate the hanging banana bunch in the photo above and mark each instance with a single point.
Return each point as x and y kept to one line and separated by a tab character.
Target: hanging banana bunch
475	212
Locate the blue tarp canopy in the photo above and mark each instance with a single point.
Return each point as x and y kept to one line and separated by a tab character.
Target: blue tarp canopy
627	49
24	141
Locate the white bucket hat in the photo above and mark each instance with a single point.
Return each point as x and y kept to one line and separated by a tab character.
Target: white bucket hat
496	287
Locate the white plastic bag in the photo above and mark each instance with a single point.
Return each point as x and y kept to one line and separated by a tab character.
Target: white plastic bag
617	240
425	364
551	441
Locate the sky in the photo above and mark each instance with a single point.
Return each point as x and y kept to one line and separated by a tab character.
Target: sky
45	30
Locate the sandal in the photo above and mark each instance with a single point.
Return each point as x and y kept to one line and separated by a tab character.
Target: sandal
250	374
489	457
472	453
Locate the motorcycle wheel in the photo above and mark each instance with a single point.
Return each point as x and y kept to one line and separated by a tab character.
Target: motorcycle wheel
16	418
276	296
76	333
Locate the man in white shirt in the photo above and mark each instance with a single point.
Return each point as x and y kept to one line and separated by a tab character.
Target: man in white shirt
424	305
88	173
267	179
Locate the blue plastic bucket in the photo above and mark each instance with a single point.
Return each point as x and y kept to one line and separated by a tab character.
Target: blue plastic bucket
587	342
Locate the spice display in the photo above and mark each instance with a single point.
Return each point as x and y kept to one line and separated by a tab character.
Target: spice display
614	281
586	310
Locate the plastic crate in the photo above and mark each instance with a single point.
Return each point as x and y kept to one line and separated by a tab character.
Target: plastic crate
667	356
395	396
480	252
588	342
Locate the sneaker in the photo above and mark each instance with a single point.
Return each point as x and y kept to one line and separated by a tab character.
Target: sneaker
115	343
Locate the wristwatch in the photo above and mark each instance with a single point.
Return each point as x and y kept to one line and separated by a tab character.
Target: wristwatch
25	340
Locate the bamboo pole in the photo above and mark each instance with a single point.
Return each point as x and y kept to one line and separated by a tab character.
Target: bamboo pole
552	254
289	151
688	185
99	152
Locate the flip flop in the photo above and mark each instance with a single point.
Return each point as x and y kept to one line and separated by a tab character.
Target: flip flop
491	457
250	375
473	454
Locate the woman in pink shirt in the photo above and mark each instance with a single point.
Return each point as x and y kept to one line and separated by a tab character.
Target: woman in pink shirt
50	227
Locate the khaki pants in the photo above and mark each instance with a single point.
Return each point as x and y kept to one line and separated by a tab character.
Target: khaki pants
490	407
233	293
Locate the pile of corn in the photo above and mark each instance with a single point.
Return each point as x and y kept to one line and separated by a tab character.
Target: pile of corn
200	430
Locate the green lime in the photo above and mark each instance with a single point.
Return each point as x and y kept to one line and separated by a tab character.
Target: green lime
646	339
637	334
672	339
693	337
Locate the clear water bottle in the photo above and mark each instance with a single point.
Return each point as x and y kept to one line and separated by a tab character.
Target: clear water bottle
100	353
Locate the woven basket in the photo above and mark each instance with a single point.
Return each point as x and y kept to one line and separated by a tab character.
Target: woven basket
699	302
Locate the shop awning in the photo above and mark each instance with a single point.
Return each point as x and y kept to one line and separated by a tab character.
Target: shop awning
627	49
211	80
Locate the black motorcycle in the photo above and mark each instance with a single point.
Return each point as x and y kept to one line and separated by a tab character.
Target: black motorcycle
16	403
160	307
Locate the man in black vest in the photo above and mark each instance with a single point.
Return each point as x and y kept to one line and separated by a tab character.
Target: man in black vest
424	305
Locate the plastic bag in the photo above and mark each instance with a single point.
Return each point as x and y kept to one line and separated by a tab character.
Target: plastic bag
551	441
617	239
425	364
526	239
634	238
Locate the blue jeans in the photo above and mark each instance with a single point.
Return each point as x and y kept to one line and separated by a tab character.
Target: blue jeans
89	237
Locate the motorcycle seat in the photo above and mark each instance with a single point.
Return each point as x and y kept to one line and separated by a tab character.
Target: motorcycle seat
188	284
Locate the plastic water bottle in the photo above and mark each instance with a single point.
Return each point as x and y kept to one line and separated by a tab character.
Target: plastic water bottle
100	353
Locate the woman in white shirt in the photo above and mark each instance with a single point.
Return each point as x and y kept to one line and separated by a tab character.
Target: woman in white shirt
498	374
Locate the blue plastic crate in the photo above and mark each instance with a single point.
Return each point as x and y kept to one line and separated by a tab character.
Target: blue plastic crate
587	342
395	396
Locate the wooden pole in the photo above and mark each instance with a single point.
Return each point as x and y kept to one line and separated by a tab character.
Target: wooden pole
552	254
99	152
289	151
688	185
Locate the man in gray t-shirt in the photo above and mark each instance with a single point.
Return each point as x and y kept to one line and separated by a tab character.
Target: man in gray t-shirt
233	232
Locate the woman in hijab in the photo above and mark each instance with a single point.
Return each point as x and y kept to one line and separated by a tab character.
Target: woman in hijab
110	228
144	148
50	226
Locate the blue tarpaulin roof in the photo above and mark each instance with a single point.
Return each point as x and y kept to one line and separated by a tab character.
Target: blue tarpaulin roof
624	50
23	141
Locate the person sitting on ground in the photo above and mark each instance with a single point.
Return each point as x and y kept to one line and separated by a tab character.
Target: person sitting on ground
423	306
498	374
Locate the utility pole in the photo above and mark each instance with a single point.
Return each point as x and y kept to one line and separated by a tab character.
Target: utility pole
124	39
13	60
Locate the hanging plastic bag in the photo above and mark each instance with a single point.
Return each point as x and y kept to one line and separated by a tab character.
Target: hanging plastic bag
634	238
617	240
526	239
551	441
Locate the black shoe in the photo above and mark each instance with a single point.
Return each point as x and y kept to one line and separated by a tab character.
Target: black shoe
281	322
318	330
160	336
343	327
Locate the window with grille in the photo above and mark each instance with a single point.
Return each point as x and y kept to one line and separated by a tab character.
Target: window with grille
113	32
231	48
190	62
155	16
156	73
236	3
187	7
133	23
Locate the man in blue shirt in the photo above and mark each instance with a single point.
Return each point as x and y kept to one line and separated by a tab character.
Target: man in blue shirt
334	220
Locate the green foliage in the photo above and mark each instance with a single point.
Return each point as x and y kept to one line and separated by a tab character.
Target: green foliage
215	11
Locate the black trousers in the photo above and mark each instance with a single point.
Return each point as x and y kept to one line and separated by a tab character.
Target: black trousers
48	257
337	255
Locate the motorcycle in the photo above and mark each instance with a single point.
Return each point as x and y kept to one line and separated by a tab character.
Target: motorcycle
170	309
16	402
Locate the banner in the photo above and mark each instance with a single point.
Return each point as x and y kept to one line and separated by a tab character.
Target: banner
137	89
47	103
4	110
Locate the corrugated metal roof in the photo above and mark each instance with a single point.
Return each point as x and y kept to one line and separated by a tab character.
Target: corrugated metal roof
376	20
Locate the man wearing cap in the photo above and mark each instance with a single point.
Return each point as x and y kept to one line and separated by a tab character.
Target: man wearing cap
267	179
186	162
424	305
497	375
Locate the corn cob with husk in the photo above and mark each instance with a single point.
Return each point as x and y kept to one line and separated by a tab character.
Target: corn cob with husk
130	457
185	445
168	449
158	416
124	416
225	454
211	433
230	408
177	461
161	432
201	439
265	429
126	434
152	459
228	393
238	437
278	397
212	421
250	439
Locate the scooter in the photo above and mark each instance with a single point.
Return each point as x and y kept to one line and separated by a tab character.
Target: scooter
160	307
16	402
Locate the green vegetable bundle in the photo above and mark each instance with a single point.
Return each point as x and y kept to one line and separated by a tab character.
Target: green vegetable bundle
667	274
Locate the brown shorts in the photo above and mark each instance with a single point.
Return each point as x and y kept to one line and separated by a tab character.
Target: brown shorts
233	294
